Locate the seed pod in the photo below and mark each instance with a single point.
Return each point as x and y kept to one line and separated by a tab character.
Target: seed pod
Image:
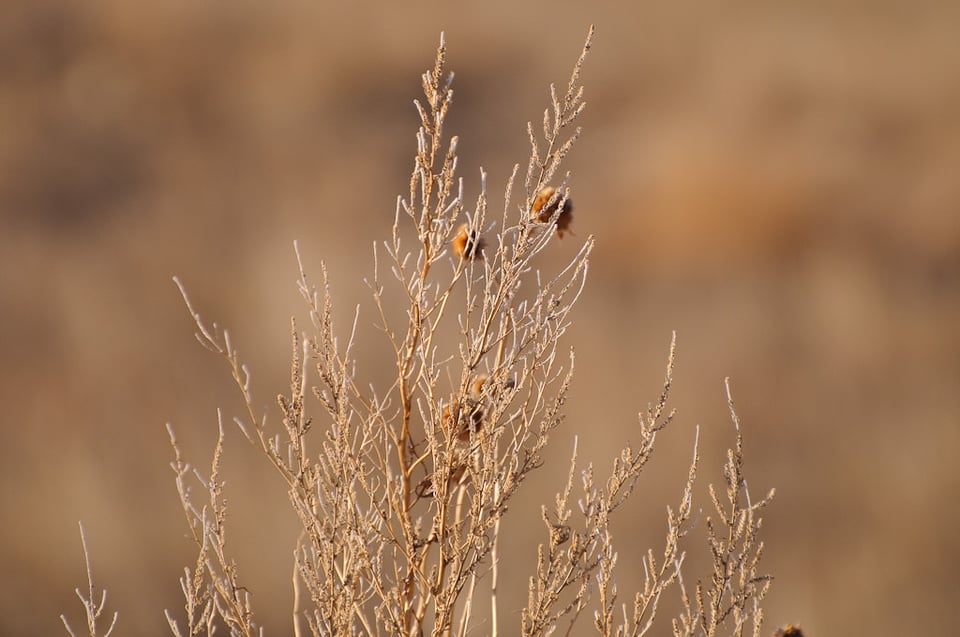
468	244
463	418
458	475
545	205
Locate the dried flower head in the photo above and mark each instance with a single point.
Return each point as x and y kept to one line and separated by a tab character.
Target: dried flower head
462	418
465	416
788	631
545	205
468	244
458	475
478	383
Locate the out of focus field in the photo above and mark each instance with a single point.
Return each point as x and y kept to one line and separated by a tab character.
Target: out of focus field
776	181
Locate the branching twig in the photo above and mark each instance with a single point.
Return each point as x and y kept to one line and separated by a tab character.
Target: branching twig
92	608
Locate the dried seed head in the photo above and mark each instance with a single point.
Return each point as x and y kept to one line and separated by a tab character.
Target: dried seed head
478	383
461	420
559	533
468	244
457	475
788	631
493	393
545	205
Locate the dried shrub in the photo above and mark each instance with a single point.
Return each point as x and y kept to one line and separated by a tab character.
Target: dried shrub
400	491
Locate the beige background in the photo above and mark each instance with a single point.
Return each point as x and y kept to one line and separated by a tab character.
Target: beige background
776	181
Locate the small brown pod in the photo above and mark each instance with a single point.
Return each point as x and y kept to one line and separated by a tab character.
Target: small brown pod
464	419
545	205
468	415
468	244
426	487
477	388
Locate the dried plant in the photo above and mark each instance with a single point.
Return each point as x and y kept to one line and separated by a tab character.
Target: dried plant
93	609
733	595
400	490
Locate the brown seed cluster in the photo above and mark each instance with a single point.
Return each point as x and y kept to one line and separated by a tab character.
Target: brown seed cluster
545	205
425	489
468	244
462	419
469	413
788	631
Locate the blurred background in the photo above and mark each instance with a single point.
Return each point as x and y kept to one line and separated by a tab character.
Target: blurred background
776	181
